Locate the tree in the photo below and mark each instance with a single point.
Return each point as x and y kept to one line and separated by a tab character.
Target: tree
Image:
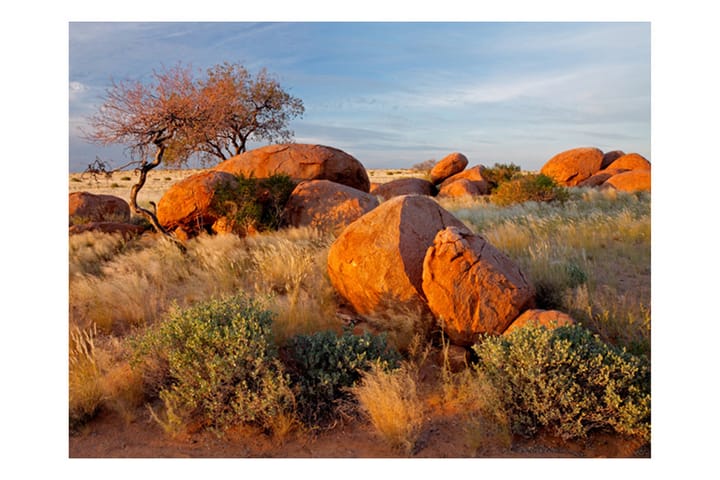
243	107
175	116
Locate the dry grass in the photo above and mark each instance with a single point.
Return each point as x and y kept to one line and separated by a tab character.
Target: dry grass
391	403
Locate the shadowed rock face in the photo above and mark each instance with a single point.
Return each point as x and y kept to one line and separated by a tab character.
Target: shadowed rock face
98	208
376	263
471	287
447	167
610	157
571	167
301	162
189	205
326	205
460	188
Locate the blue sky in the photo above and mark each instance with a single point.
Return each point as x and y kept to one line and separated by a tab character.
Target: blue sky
394	94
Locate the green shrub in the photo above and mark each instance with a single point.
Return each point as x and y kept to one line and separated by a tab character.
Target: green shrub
500	173
255	203
532	187
567	381
222	366
325	365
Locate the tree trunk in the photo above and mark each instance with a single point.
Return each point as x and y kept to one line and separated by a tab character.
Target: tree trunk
143	212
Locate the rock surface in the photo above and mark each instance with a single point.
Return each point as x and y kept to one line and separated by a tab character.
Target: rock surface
460	188
326	205
447	167
571	167
404	186
543	318
471	287
191	205
90	207
473	174
631	161
376	263
630	181
301	162
610	157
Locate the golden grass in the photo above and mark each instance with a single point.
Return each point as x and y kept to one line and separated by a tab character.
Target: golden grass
391	403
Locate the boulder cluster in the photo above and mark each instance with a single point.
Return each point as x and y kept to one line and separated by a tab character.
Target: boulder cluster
590	167
396	249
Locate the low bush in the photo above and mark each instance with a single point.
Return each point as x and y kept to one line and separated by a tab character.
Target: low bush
500	173
222	366
526	188
324	365
567	381
255	203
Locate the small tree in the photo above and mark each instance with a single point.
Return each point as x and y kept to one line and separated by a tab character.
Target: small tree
175	116
242	108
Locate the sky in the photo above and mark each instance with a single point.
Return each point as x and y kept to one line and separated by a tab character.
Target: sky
394	94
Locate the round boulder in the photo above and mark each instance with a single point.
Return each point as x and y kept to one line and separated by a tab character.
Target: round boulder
630	181
447	167
471	287
631	161
89	207
376	262
326	205
404	186
301	162
571	167
474	175
192	204
459	188
543	318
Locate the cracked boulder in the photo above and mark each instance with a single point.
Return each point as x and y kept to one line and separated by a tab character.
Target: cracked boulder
300	162
571	167
376	263
471	287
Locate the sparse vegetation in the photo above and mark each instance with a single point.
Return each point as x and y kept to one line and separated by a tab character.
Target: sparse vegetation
146	288
528	188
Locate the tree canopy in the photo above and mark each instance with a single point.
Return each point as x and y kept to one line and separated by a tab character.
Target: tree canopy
213	116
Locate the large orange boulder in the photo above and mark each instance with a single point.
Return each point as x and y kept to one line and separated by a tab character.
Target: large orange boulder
326	205
404	186
301	162
630	181
631	161
447	167
474	175
376	262
571	167
89	207
543	318
471	287
194	203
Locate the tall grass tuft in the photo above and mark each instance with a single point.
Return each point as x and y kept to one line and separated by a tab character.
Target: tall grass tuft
84	379
390	400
